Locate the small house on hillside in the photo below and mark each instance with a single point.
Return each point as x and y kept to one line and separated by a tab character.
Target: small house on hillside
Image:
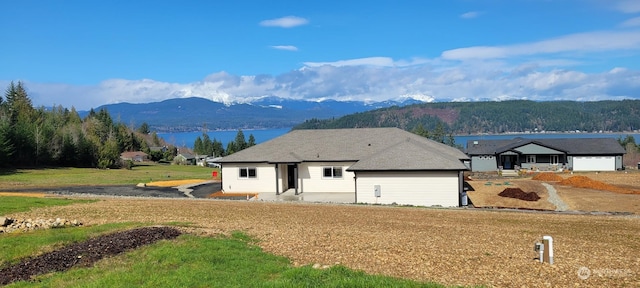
375	165
576	154
135	156
185	159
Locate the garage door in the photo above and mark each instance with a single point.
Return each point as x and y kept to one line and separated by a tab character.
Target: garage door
594	163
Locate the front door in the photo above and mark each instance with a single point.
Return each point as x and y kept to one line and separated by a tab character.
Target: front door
291	176
508	162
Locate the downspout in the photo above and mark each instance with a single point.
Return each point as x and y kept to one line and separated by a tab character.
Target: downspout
460	187
355	182
301	182
295	175
277	180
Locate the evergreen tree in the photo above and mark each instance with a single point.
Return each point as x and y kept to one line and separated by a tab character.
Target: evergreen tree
144	128
231	148
6	148
240	143
252	141
155	138
217	148
197	146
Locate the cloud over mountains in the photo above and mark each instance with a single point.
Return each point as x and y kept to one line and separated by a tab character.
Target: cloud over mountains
375	79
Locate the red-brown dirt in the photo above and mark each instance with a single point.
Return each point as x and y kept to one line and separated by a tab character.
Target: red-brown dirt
517	193
547	177
586	182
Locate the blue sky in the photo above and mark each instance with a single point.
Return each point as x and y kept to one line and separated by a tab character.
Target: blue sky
88	53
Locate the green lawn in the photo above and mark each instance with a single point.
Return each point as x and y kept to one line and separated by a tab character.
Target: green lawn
192	261
56	177
11	204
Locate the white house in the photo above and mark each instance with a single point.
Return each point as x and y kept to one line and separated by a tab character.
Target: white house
376	165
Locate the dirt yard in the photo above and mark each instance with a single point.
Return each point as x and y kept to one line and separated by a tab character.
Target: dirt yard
485	192
450	246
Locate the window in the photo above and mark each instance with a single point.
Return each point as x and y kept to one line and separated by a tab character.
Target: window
332	172
531	158
554	159
247	172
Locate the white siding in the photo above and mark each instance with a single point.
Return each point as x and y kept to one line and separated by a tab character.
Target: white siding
594	163
409	188
311	179
264	182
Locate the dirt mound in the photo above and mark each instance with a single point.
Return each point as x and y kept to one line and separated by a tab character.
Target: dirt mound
547	177
586	182
85	253
517	193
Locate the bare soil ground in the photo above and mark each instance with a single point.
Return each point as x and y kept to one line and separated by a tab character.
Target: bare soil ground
451	246
579	199
485	194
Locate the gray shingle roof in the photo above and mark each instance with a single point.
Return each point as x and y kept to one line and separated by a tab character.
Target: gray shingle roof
372	149
572	146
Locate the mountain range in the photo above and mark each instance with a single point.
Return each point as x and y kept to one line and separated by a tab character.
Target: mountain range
195	113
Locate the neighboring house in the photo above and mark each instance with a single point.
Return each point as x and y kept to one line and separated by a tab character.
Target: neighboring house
376	165
185	158
576	154
135	156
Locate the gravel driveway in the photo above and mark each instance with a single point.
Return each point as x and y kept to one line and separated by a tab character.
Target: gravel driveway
200	191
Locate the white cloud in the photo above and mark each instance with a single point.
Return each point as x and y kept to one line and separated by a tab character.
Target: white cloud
628	6
480	81
580	42
285	22
470	15
633	22
285	47
370	61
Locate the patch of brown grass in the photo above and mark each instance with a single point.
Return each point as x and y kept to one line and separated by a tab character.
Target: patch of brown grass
23	194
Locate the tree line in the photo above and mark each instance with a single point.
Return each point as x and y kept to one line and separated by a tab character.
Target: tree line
206	146
462	118
32	137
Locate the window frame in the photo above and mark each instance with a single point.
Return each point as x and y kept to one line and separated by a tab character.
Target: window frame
531	159
247	173
336	172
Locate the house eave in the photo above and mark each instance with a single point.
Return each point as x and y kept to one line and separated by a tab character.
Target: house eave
406	170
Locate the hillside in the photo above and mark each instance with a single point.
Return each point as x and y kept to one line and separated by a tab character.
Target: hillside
496	117
191	114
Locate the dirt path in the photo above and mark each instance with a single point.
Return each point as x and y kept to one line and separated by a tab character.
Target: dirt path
554	198
198	191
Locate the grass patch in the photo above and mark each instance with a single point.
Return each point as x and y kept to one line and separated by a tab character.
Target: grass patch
56	177
13	204
193	261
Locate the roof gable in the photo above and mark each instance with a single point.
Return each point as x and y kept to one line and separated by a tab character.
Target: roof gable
571	146
348	145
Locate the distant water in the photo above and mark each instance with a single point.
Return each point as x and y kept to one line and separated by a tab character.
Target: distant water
186	139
